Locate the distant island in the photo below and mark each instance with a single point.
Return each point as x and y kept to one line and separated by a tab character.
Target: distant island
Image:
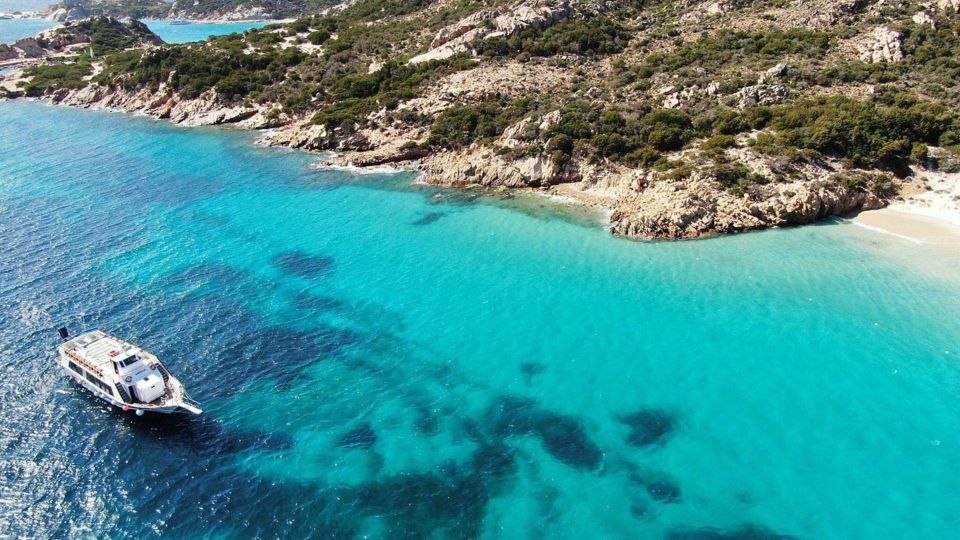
680	119
207	10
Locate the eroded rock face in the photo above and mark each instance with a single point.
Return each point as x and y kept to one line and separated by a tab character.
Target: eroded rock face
761	94
822	13
7	52
923	18
206	110
700	209
487	166
463	35
884	44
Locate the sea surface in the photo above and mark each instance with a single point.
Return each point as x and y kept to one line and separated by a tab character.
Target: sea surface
13	29
389	361
198	31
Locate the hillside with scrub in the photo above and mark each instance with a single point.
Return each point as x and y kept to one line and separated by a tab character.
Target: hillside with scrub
212	10
681	118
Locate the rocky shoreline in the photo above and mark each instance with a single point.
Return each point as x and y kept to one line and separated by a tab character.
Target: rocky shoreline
636	207
664	156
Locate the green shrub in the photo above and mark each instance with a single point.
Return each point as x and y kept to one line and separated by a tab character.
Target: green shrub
45	79
460	126
729	175
877	132
719	142
591	37
318	37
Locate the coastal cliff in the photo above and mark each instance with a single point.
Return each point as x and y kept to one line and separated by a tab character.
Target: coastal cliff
681	119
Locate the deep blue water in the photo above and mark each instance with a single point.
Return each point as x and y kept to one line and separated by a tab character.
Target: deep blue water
381	360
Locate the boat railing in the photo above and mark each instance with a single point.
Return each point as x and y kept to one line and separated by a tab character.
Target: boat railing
84	362
189	401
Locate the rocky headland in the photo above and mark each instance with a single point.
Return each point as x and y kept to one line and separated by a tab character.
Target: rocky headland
730	120
191	10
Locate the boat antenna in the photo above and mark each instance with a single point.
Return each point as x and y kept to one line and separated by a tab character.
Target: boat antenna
83	322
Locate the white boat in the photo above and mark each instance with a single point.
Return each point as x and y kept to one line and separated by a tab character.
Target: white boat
123	374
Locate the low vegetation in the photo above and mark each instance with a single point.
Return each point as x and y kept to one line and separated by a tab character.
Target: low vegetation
348	69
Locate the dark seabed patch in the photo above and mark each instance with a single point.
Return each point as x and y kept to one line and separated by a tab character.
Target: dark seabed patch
460	197
427	421
362	437
206	437
531	369
283	353
639	509
452	501
429	217
303	264
664	491
312	302
745	532
648	426
564	437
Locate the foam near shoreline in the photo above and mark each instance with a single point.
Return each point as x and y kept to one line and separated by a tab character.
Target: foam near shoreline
930	215
907	223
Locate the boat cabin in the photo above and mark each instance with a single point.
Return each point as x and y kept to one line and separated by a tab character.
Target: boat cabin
108	363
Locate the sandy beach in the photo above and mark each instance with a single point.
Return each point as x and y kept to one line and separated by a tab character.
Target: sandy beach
928	214
912	226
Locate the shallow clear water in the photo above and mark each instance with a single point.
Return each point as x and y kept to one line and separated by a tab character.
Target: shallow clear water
391	361
13	29
184	33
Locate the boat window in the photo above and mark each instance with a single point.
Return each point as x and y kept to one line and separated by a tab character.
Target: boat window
129	361
75	368
100	384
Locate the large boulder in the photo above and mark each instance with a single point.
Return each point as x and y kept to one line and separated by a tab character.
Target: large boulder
7	52
463	35
698	208
884	44
761	94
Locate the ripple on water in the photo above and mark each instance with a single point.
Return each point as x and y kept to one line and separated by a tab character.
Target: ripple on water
366	376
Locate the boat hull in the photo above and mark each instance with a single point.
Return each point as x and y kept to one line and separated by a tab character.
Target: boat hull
126	407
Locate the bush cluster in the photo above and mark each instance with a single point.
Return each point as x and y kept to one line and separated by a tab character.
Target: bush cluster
49	78
880	132
590	37
461	126
350	99
192	70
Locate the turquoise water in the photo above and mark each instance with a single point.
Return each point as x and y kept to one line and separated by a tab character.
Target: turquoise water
389	361
13	29
184	33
